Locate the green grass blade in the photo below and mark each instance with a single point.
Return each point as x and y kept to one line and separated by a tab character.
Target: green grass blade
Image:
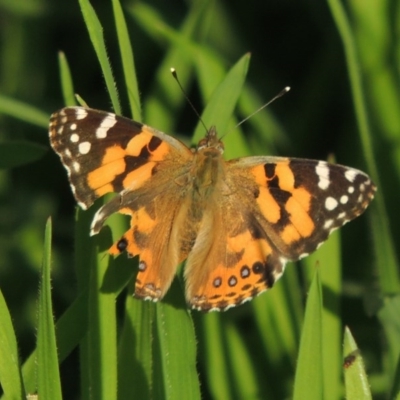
135	355
165	98
67	86
49	386
309	373
102	330
23	111
279	312
128	62
215	357
10	375
389	316
177	344
17	153
385	253
395	392
220	107
70	329
96	36
328	257
355	378
243	366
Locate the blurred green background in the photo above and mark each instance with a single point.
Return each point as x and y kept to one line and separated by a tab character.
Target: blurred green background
293	44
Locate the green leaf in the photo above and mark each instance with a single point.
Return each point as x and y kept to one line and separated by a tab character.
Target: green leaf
10	374
96	36
385	253
67	85
165	99
16	153
309	373
23	111
221	105
355	378
177	352
328	258
128	63
395	392
49	386
389	316
102	330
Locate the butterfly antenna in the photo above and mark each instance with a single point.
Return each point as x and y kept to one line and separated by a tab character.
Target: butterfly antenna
175	75
280	94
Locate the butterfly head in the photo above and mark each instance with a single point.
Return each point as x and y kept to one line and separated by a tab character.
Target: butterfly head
211	141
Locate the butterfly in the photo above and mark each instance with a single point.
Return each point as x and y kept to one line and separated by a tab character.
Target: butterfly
236	223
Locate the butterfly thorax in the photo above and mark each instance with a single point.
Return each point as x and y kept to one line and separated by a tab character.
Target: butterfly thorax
207	169
207	176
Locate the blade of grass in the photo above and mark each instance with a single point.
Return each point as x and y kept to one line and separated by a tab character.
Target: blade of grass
128	62
102	330
214	356
23	111
10	374
96	36
389	317
309	373
386	258
244	377
223	101
49	386
165	98
177	344
329	257
279	313
70	329
67	86
355	378
395	392
135	355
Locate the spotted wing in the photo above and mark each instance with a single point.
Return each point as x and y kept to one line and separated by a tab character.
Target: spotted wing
105	153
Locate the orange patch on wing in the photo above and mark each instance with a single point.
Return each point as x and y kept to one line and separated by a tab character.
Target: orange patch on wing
285	175
300	217
290	234
113	153
303	196
138	142
104	189
268	206
138	177
254	249
105	174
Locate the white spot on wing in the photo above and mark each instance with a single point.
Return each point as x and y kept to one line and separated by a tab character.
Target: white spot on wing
351	174
344	199
108	122
76	166
322	170
84	147
72	127
328	223
74	138
350	189
80	113
330	203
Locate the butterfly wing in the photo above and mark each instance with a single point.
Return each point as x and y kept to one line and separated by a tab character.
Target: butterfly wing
275	210
106	153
